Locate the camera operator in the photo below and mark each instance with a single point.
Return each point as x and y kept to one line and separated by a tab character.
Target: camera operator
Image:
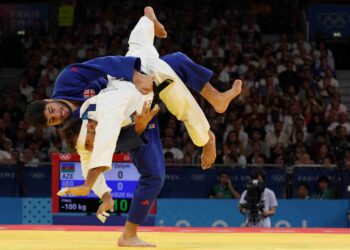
257	202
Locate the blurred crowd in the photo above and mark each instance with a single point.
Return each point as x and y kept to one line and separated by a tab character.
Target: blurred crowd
290	108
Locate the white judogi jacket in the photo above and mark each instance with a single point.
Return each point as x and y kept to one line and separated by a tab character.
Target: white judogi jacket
115	106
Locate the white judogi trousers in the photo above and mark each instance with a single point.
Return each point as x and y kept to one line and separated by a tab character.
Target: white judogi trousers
176	97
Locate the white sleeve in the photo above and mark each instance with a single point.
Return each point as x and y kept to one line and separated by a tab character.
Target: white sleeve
242	199
100	187
110	112
272	198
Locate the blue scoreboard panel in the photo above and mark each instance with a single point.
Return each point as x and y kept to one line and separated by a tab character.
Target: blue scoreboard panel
122	179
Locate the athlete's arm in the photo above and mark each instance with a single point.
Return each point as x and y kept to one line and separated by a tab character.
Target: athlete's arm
143	83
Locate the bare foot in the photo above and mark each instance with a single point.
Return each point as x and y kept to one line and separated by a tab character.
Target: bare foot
133	241
209	152
159	29
225	98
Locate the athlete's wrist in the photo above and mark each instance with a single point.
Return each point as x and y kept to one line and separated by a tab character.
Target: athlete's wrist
106	196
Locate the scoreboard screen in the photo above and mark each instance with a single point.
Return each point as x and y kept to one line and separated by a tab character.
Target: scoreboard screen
122	179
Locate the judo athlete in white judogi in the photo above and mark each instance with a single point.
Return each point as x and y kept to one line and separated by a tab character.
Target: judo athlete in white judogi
113	108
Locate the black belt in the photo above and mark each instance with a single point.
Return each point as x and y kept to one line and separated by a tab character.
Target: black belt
158	89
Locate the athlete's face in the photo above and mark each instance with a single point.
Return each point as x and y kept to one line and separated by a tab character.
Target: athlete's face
56	112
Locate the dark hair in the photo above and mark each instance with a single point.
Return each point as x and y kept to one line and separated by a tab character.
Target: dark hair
168	155
35	114
304	184
258	172
323	178
224	172
70	131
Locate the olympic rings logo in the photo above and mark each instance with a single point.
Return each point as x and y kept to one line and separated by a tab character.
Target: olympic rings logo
38	175
198	177
126	157
334	19
65	157
278	178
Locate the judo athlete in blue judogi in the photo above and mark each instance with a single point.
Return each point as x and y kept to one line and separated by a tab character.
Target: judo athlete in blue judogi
79	81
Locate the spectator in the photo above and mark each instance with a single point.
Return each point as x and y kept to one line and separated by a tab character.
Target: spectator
11	108
257	136
321	51
316	142
303	158
277	154
224	189
303	191
187	159
256	154
28	158
238	128
232	139
341	136
5	157
289	78
277	136
7	145
315	121
21	140
234	156
259	160
169	147
190	149
298	126
15	157
25	88
342	121
335	107
323	156
327	81
323	190
324	66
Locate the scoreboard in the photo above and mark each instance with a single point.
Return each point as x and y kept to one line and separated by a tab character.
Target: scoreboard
66	172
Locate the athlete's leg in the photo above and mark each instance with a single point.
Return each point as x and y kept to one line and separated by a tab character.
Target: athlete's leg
159	29
150	164
141	44
142	36
221	100
177	98
198	78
